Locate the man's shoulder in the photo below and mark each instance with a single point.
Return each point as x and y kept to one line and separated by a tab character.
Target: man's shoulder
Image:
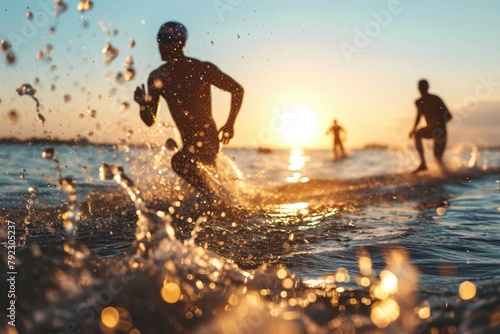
198	62
434	97
160	70
427	98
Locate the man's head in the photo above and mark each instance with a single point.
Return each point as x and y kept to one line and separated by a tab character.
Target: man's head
171	39
423	86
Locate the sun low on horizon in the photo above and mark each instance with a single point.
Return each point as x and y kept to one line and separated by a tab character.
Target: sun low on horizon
299	125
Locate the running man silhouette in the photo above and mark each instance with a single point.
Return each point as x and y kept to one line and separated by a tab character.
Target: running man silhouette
337	130
185	84
436	115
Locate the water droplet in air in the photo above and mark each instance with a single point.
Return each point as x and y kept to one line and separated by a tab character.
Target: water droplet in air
4	45
67	183
441	211
112	32
129	74
60	7
49	153
12	116
10	58
85	5
128	61
26	89
92	112
40	118
125	106
110	53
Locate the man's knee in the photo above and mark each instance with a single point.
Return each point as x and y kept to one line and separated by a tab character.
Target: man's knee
439	135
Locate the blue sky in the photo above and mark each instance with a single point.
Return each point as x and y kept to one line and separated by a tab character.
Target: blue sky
289	55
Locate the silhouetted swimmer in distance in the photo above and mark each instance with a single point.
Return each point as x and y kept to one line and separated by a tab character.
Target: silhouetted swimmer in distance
436	115
337	130
185	83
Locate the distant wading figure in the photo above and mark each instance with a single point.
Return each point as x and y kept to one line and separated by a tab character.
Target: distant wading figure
338	148
436	116
185	84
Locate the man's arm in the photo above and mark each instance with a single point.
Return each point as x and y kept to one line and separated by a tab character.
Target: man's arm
228	84
148	102
446	113
417	120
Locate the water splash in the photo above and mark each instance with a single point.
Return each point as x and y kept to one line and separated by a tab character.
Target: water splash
110	53
27	89
27	220
77	252
4	45
50	153
85	5
70	218
152	226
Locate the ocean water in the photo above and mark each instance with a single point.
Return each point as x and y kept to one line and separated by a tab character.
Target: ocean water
294	243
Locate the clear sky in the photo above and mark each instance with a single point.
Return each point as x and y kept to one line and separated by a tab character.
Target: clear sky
302	63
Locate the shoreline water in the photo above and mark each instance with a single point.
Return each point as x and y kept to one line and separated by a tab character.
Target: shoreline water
305	245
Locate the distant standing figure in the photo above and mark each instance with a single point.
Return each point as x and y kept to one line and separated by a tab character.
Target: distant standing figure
436	115
185	83
338	148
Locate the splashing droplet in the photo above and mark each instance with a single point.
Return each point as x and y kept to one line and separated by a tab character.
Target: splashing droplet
60	7
26	89
85	5
128	61
92	112
12	117
49	153
110	53
48	48
10	58
125	106
40	118
129	74
4	45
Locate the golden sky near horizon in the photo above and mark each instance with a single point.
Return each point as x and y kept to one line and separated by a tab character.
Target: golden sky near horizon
301	64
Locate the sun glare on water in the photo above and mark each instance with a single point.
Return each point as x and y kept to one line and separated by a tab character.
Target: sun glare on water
300	124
